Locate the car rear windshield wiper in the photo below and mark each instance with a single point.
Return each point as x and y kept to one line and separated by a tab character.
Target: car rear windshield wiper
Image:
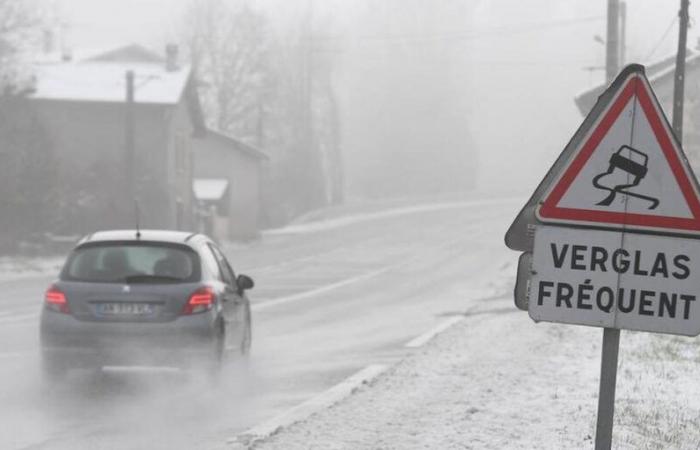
144	278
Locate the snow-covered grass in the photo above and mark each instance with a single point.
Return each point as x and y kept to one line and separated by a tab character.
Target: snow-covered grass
497	380
18	267
658	401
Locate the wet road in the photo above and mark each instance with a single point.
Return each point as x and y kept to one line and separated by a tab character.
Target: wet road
328	302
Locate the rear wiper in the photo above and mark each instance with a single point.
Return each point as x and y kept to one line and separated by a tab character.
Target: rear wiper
146	278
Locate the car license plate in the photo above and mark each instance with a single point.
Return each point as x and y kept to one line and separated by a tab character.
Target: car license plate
125	309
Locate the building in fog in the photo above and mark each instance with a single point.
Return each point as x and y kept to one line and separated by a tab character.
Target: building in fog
82	105
227	185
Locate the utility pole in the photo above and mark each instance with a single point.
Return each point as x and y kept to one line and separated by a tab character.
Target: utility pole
623	32
612	41
679	82
129	148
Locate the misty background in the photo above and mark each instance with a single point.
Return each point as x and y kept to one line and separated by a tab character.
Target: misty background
342	100
489	83
360	159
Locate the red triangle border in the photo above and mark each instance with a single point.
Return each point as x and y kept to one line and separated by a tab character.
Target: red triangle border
548	211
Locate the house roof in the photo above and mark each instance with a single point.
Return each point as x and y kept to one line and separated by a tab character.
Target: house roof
237	144
667	72
102	78
655	72
131	53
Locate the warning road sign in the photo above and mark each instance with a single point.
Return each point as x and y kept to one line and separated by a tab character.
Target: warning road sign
621	180
641	282
611	236
628	171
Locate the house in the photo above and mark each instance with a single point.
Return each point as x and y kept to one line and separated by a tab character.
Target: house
112	152
227	185
661	76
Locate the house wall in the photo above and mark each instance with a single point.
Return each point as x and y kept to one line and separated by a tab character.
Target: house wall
180	163
89	142
217	159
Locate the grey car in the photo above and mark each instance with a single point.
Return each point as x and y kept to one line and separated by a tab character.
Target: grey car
145	297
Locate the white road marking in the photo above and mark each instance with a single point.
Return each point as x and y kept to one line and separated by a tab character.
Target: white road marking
320	290
329	287
427	336
312	406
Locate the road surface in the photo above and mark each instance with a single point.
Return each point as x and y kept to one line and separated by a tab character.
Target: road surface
328	301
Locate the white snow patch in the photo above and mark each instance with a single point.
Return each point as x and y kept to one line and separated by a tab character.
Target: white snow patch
310	407
330	224
106	82
16	268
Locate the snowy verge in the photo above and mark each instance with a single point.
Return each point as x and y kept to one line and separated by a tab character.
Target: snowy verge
497	380
309	407
20	267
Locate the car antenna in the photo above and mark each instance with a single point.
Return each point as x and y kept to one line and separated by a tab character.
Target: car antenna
138	218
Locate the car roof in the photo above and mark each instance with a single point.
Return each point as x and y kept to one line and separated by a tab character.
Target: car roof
179	237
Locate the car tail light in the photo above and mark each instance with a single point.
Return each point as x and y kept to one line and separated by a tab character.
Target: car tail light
201	300
55	300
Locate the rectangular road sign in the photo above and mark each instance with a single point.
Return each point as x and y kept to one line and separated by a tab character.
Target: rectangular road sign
616	280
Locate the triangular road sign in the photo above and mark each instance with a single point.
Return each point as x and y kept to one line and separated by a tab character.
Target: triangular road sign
628	172
623	170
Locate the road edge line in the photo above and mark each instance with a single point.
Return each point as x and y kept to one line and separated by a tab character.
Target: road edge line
310	407
430	334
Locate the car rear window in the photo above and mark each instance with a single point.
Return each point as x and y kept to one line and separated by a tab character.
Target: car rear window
129	262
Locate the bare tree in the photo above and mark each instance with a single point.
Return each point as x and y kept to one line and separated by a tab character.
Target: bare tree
228	44
20	25
274	93
27	166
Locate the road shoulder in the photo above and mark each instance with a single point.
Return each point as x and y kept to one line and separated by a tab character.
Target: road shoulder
497	380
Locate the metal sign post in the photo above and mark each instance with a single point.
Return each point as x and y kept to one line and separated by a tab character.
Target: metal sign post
606	395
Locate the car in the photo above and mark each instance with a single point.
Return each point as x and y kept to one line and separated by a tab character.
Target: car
144	297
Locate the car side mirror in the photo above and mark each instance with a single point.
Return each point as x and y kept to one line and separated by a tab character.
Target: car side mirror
244	282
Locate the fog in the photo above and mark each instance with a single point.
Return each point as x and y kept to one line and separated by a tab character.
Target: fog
359	159
498	76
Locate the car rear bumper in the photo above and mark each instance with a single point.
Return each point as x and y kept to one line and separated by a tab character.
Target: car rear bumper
85	343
